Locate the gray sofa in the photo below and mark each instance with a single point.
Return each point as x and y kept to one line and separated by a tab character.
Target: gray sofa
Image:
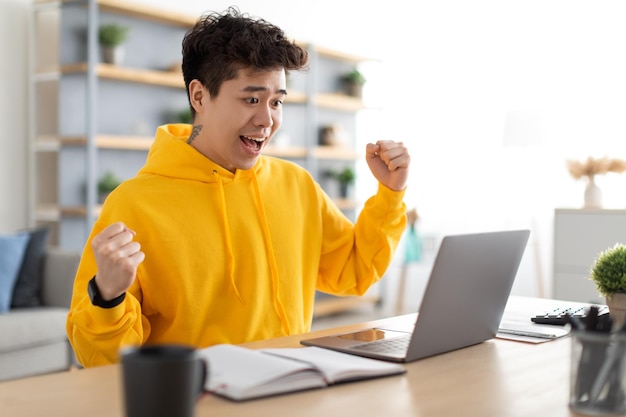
33	340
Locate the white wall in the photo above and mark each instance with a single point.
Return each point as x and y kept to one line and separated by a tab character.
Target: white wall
13	104
453	70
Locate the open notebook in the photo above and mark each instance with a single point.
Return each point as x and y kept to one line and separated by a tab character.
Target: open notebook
240	374
463	304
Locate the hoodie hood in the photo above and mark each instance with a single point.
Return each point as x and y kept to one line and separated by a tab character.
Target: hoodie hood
170	155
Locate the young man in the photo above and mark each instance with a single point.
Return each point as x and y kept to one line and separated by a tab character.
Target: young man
212	242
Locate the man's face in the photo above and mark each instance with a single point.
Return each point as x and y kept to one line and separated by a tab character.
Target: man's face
240	121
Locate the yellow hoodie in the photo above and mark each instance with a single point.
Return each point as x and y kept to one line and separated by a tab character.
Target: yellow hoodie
229	258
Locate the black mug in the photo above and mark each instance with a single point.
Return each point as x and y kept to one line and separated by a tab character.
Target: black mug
162	380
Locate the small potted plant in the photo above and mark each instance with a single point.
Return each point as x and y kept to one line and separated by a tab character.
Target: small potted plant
608	272
111	36
345	177
107	183
353	82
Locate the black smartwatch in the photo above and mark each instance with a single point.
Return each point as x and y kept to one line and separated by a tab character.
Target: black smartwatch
96	298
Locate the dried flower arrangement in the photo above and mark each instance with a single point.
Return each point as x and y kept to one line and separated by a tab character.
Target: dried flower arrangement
592	167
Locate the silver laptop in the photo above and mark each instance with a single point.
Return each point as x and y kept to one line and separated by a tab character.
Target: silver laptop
462	305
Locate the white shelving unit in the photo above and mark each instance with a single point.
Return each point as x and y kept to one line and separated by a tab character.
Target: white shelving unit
88	117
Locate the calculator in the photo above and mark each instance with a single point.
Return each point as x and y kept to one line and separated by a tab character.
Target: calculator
558	316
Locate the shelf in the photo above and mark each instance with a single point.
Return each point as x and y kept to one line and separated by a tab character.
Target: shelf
47	213
340	102
286	151
147	12
153	77
47	143
295	97
137	10
332	101
138	143
338	55
75	211
345	203
54	213
327	306
335	153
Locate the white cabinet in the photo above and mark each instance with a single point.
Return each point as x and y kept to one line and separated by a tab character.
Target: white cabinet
579	236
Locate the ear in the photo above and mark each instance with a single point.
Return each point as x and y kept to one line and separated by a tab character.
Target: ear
197	95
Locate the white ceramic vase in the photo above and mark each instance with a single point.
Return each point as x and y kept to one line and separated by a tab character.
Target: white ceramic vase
593	195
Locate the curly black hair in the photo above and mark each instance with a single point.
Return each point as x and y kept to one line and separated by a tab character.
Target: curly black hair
220	44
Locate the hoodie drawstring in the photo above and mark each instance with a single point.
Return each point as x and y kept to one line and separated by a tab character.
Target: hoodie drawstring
278	305
229	243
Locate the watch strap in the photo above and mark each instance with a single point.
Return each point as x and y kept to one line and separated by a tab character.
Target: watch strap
96	298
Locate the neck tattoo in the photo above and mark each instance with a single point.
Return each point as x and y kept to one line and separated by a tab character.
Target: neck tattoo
194	133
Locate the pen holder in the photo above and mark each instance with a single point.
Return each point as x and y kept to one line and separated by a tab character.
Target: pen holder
598	373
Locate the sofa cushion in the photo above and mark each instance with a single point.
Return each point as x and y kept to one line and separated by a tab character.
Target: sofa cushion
12	249
53	357
27	291
59	272
30	327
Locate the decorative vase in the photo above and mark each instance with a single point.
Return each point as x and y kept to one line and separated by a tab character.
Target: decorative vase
413	245
113	55
593	195
617	308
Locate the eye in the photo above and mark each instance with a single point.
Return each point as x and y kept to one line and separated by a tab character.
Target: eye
278	103
252	100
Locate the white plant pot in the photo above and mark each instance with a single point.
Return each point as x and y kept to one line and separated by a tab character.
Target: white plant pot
113	55
617	308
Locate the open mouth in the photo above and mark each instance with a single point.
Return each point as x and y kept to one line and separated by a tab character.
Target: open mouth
253	143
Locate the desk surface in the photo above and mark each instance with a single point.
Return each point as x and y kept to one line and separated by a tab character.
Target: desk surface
496	378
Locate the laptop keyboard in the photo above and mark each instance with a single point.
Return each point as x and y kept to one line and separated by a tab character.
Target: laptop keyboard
394	345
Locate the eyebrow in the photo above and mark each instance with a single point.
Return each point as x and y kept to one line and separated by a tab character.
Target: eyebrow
254	89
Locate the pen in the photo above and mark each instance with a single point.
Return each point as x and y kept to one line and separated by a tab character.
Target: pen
591	320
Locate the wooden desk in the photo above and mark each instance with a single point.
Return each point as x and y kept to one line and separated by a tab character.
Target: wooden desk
496	378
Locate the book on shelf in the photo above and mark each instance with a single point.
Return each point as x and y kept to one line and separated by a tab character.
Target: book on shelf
240	374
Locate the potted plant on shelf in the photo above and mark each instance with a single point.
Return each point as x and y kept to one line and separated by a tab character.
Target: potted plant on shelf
345	177
107	183
111	37
353	82
608	272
